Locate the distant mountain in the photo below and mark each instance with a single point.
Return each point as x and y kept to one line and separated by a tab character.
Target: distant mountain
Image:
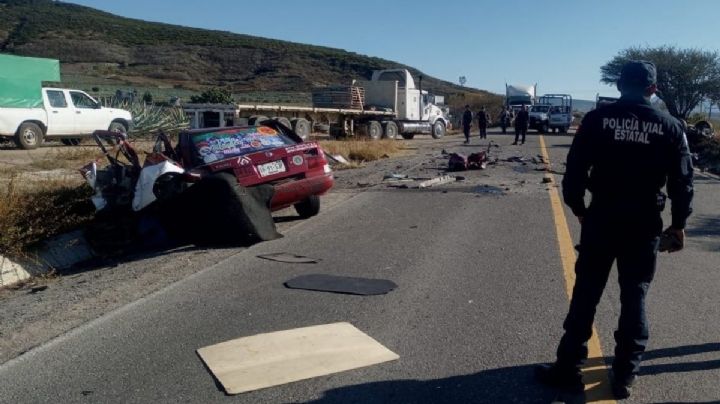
99	48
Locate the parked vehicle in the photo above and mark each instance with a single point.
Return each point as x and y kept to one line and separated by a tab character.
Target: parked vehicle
553	112
387	105
518	95
65	114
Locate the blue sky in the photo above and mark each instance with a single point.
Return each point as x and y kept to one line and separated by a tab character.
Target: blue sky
558	44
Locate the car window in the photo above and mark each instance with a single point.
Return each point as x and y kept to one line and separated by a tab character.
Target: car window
223	144
81	100
56	99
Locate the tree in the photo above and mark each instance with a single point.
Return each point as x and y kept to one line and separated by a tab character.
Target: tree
685	77
214	95
462	80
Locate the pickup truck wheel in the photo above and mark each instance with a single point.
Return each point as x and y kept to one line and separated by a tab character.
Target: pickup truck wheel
543	128
29	136
257	119
70	142
117	127
301	126
408	136
391	130
374	130
308	207
438	130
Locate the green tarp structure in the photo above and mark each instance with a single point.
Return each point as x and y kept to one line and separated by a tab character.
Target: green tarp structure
21	80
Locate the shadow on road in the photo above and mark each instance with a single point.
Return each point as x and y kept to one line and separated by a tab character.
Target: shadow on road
513	384
705	226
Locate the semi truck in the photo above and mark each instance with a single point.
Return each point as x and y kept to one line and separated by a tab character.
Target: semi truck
388	105
552	112
518	95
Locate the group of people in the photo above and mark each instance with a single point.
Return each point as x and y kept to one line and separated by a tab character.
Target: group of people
522	119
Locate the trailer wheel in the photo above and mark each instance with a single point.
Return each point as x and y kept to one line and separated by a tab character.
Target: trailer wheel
283	121
301	126
257	119
391	130
29	136
438	129
308	207
374	130
408	136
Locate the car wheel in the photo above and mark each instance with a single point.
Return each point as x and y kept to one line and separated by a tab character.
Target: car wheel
438	130
301	126
29	136
391	130
117	127
309	207
543	128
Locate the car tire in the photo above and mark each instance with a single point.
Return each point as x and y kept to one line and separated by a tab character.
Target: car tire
257	119
309	207
391	130
408	136
543	128
438	129
301	126
29	136
117	127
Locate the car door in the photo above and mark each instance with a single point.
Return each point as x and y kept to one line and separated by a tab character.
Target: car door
61	115
88	116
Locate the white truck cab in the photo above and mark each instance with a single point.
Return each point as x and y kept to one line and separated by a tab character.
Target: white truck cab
66	114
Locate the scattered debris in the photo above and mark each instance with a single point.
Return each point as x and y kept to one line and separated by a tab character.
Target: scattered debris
547	180
436	181
395	176
364	184
341	284
459	178
38	288
289	258
338	159
457	162
516	159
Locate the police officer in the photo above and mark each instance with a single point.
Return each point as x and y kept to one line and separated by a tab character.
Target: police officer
483	121
521	124
623	153
466	123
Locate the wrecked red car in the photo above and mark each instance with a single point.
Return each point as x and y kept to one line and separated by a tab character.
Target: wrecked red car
215	186
255	155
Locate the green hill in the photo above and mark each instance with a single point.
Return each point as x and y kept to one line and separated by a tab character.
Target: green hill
103	50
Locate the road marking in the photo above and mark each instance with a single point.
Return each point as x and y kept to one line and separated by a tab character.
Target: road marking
595	372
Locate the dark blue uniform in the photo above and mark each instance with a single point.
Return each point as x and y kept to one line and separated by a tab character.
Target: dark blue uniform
623	153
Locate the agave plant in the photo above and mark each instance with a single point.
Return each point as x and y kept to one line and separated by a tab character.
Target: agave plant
151	118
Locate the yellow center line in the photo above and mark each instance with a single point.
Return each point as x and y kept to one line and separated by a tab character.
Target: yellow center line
595	372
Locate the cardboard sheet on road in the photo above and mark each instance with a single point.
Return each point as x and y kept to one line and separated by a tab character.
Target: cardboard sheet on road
265	360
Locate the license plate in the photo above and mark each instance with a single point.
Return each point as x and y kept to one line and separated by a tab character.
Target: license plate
271	168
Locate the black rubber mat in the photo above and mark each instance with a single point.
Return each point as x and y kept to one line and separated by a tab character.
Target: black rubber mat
341	284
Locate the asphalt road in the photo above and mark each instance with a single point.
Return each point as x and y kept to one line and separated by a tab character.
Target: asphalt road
481	300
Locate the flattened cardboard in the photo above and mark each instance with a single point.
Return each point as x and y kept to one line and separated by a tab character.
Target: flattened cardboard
266	360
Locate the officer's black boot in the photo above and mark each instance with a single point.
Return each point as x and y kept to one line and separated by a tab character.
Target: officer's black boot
621	386
564	378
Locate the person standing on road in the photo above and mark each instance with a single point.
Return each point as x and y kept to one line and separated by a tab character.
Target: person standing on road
467	122
505	118
521	124
483	121
623	153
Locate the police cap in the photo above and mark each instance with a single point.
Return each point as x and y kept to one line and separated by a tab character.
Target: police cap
637	74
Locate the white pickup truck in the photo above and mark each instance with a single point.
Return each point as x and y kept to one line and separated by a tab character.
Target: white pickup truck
66	115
